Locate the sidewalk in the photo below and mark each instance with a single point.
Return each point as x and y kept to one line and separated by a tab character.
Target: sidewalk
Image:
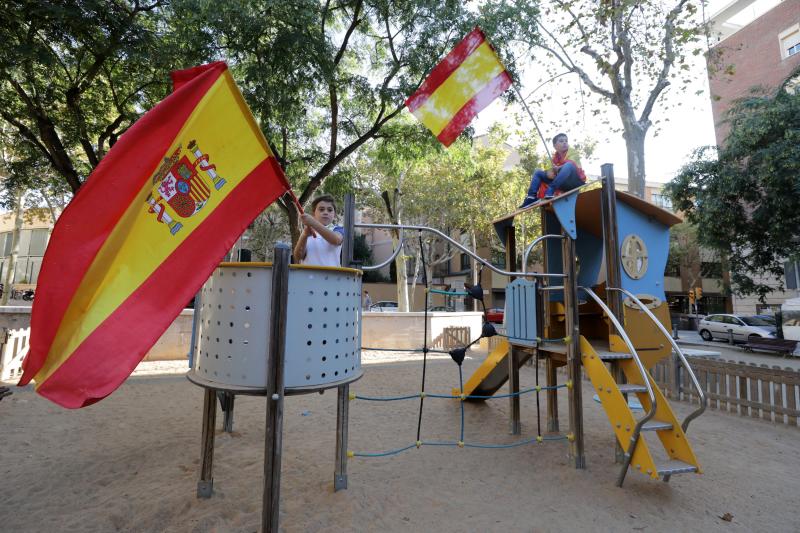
686	336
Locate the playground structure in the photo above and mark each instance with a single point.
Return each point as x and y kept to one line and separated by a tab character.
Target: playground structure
610	249
598	305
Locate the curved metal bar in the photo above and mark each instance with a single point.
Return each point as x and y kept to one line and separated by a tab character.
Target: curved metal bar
391	257
461	247
678	351
531	245
653	404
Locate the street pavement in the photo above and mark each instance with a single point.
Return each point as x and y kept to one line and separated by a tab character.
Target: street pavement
691	339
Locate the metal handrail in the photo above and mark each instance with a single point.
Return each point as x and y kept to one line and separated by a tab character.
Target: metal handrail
653	402
462	248
396	251
534	243
678	351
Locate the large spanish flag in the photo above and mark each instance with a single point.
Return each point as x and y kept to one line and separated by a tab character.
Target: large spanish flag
459	87
144	233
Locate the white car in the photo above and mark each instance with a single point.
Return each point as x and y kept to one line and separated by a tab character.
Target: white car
743	327
383	306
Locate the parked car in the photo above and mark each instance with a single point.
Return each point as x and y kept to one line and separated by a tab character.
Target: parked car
495	314
743	327
440	309
383	306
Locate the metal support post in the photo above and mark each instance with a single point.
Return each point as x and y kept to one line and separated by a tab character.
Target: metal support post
342	415
228	399
270	505
205	487
608	209
195	319
343	391
515	427
552	396
573	351
513	355
349	230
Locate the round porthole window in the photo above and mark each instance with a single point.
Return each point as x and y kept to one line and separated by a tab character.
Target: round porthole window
633	254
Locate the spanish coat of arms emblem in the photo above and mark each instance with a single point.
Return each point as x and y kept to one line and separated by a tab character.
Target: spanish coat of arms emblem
182	186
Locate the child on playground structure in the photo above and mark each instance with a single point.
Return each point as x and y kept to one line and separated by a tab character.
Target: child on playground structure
565	175
321	241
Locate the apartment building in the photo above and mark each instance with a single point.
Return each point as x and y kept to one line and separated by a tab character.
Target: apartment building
758	46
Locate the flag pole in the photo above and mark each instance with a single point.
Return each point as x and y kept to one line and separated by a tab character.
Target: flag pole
521	99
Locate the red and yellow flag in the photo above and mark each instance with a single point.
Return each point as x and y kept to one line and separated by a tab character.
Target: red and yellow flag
144	233
459	87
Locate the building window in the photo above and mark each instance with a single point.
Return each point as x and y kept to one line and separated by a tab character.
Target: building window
673	269
661	200
792	271
465	262
790	41
711	270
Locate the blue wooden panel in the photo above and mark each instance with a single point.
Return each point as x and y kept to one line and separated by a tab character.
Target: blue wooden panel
588	248
564	206
520	314
590	258
656	238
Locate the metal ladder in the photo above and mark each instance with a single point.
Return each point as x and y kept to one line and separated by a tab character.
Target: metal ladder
664	428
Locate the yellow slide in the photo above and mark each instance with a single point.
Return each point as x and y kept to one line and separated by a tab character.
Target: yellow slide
492	374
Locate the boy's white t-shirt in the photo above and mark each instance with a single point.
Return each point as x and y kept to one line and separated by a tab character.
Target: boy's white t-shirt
320	252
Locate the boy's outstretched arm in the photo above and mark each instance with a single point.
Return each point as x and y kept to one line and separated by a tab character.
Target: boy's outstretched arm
331	236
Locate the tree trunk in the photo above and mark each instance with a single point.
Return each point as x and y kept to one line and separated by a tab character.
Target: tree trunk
12	264
474	265
634	142
402	278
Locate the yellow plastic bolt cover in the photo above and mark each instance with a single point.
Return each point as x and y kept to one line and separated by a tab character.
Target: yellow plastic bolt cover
461	444
350	454
569	383
539	439
570	437
352	395
418	443
421	394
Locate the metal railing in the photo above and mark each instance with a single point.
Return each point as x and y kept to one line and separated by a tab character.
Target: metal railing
457	244
645	378
678	352
534	243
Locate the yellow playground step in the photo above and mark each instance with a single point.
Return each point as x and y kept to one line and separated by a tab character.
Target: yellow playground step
681	458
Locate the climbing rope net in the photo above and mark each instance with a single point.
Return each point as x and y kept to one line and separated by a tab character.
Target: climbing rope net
458	355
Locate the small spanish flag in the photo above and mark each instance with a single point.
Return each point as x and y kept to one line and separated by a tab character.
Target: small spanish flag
459	87
143	234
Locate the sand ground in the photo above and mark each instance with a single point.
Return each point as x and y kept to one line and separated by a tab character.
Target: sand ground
131	463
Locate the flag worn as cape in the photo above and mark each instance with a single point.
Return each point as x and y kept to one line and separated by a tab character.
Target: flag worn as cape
459	87
144	233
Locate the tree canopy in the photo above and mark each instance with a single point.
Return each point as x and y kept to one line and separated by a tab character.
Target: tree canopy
746	200
322	77
74	75
626	53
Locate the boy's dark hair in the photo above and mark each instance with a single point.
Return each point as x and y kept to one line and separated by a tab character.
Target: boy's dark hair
557	137
323	198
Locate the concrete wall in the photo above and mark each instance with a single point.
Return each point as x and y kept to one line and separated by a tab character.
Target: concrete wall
173	344
405	330
379	330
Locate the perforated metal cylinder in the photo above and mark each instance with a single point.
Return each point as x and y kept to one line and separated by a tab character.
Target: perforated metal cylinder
323	331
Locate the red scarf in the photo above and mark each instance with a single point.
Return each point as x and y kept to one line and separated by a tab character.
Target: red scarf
560	159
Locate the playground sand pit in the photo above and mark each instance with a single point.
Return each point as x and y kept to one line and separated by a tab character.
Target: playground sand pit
131	463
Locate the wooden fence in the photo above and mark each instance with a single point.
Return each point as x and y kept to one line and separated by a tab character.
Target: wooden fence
766	392
757	391
452	337
13	350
